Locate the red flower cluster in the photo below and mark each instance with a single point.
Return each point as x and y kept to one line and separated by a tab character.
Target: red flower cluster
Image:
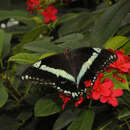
123	62
65	99
50	14
33	5
104	91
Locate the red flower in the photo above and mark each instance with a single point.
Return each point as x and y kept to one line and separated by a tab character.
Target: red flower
122	63
105	92
79	101
111	99
65	99
33	5
49	14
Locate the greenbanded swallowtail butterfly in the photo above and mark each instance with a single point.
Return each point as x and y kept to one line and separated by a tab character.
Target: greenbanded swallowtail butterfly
66	72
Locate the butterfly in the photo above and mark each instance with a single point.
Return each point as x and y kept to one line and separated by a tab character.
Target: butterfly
66	72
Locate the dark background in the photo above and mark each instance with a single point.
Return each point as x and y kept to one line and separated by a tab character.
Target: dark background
12	4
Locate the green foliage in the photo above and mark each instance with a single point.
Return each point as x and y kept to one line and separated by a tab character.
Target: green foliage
83	121
45	107
104	26
3	94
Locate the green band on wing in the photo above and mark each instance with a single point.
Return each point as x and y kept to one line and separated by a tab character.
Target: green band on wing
86	66
58	72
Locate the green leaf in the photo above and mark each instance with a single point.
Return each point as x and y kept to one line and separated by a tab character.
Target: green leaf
7	45
84	121
108	23
45	107
124	114
72	41
2	38
29	37
43	46
116	42
13	14
118	84
76	22
3	95
24	58
66	118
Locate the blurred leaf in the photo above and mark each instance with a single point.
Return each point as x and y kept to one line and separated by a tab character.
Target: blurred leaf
124	30
76	22
124	114
13	14
29	37
126	98
7	45
45	107
84	121
72	41
111	125
24	58
3	94
116	42
2	38
8	123
66	118
108	23
24	116
43	46
46	55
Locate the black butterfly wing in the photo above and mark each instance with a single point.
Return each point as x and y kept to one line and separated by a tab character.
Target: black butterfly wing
102	60
59	62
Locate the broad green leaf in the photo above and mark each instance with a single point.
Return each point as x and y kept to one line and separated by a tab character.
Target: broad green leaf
111	125
67	17
45	107
13	14
66	118
24	58
109	22
46	55
29	37
84	121
116	42
72	41
7	45
124	114
124	30
3	94
2	38
76	23
43	46
24	115
118	84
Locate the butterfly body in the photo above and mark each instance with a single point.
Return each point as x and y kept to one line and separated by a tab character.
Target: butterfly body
67	71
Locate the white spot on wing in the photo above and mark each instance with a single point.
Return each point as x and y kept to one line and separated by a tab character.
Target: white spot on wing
26	77
22	77
97	50
37	64
3	25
